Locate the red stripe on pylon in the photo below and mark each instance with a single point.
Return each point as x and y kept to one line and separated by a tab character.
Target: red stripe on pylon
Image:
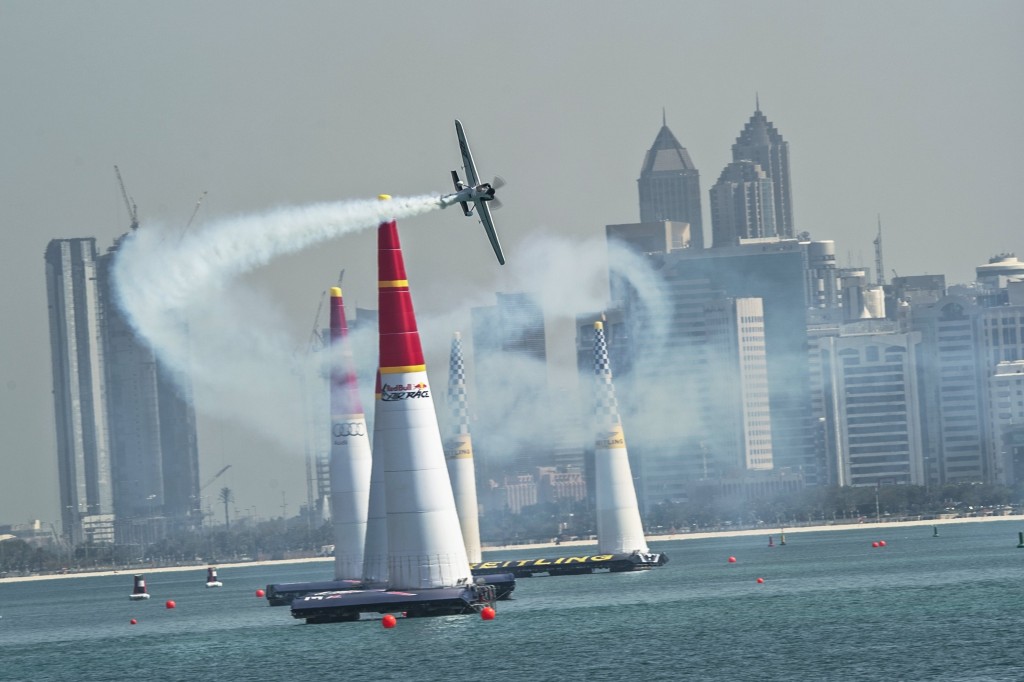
390	265
399	338
344	386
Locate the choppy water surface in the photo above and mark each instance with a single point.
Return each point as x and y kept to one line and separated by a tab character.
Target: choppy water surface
831	608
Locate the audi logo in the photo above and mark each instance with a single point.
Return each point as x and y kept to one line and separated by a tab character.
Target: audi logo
344	429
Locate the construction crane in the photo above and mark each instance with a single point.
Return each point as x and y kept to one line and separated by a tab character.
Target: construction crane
879	268
199	203
215	477
133	211
316	339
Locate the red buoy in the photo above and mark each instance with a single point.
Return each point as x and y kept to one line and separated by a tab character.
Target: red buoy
170	604
881	543
388	621
874	544
260	593
732	560
133	621
487	613
760	580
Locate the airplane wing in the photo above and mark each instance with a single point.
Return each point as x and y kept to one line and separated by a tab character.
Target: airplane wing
467	157
484	212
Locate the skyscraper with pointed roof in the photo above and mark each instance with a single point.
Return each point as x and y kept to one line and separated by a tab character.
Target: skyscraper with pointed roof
669	186
761	143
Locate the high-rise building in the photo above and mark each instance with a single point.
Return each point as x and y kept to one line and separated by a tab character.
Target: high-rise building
737	385
79	390
674	340
761	143
1002	337
952	390
152	420
152	424
774	271
126	426
872	381
669	186
742	204
1002	331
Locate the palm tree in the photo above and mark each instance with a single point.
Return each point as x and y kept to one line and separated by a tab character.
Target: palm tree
226	498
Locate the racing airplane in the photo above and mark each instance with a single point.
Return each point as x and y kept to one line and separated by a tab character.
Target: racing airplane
475	192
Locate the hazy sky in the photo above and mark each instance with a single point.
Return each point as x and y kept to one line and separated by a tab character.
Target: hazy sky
910	110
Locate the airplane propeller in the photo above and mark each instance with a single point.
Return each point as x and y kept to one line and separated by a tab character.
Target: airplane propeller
495	204
498	182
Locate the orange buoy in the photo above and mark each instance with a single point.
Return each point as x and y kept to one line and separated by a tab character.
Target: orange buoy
487	613
881	543
732	560
760	580
170	604
388	621
260	593
133	621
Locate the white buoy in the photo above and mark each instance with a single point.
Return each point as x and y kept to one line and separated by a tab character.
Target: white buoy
211	578
139	589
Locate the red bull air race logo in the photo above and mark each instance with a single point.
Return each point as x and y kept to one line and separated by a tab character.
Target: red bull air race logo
395	392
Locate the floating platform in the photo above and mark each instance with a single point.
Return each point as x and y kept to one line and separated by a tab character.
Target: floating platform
349	605
572	565
283	594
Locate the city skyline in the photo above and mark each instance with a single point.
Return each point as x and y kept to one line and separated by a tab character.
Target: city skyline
877	116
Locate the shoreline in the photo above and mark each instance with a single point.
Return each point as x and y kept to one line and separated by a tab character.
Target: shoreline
701	535
144	570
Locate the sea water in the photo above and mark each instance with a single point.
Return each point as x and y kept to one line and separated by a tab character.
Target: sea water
831	607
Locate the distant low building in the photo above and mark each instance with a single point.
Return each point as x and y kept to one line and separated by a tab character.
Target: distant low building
565	485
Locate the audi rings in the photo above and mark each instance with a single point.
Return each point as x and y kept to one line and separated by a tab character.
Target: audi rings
346	429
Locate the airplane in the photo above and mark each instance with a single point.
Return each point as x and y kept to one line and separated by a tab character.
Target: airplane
475	192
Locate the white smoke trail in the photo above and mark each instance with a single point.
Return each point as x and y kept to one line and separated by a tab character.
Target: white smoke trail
174	292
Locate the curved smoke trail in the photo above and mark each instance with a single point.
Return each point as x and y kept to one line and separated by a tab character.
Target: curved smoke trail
172	291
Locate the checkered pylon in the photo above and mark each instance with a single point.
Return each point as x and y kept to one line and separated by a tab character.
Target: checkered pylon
606	407
457	401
